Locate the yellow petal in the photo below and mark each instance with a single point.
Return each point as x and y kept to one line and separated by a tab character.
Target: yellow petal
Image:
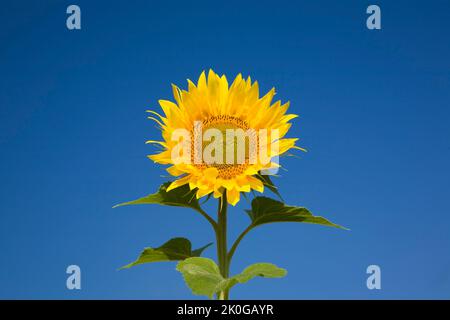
284	145
201	84
256	184
243	183
162	158
178	183
250	171
174	171
201	193
217	193
211	173
176	94
161	143
233	196
229	183
157	114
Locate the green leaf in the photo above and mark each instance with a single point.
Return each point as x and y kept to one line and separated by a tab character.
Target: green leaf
265	179
198	252
179	197
263	269
172	250
208	196
203	277
266	210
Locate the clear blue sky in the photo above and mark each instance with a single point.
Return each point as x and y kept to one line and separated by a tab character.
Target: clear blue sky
374	114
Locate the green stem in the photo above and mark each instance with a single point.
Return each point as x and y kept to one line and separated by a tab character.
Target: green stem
236	243
221	236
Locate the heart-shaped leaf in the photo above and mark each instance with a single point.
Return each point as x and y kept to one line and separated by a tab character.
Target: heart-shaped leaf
203	277
267	210
172	250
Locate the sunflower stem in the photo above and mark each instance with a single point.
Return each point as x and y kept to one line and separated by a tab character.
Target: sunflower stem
221	236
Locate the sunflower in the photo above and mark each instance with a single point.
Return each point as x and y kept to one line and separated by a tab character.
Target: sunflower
214	104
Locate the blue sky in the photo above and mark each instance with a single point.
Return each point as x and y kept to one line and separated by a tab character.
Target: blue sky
373	106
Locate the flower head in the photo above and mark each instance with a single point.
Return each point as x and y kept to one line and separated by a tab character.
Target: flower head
218	137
